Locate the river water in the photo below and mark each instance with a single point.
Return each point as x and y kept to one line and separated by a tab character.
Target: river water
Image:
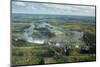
27	35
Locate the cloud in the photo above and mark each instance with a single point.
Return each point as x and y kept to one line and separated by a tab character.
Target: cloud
19	3
71	8
44	8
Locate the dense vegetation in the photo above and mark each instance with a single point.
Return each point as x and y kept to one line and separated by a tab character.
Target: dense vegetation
37	54
24	52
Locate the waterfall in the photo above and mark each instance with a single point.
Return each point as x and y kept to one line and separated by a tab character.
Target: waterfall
27	35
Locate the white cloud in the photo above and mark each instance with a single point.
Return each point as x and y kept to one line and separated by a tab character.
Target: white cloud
19	3
27	7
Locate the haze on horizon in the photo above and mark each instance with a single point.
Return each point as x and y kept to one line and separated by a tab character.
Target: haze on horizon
56	9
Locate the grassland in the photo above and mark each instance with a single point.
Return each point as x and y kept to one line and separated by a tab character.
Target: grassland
31	53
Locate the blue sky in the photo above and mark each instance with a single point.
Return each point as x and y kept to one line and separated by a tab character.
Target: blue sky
44	8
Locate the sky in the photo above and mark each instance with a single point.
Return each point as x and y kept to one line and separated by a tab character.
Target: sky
57	9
